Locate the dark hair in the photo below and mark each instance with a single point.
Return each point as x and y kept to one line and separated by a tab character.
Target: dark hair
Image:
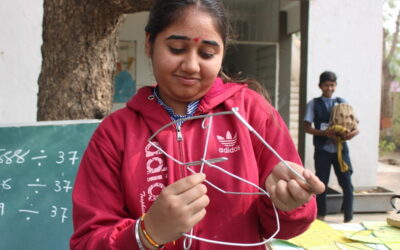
165	12
327	76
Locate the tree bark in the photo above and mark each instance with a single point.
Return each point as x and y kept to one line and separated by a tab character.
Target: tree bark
79	54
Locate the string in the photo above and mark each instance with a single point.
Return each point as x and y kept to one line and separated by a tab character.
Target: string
203	162
204	126
186	244
251	129
235	111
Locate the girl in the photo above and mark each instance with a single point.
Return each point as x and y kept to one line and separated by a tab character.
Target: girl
129	195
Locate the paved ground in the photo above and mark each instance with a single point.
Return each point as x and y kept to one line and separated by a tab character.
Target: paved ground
388	176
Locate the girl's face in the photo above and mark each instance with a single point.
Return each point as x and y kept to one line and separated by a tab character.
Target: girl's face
186	58
328	87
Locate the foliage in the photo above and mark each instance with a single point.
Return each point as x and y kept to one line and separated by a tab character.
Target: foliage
386	146
391	9
396	119
394	65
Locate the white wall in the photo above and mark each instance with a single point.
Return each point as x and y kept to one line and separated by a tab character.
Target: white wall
20	59
345	36
133	29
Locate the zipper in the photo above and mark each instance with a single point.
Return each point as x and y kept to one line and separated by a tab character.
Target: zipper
179	136
181	155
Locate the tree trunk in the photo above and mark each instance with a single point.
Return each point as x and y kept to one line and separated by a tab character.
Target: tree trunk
386	101
79	54
387	78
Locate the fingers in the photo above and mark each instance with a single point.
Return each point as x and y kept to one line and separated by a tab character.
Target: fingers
178	208
185	184
276	200
289	195
187	196
191	195
313	184
195	197
198	213
317	186
288	191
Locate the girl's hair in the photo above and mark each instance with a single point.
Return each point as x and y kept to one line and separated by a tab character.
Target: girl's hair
327	76
166	12
251	83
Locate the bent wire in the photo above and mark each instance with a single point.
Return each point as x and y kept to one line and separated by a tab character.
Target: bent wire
211	163
235	111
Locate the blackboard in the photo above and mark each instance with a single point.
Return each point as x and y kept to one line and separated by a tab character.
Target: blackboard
38	164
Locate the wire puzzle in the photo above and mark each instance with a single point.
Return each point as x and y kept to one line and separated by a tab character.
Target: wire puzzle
211	163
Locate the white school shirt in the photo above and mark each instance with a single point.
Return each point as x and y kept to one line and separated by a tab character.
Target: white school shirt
330	145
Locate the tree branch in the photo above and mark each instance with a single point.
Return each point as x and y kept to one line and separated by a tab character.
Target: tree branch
394	40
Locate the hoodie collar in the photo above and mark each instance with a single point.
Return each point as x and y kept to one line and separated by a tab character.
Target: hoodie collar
145	102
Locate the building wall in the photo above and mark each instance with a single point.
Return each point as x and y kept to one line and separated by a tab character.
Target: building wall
295	90
20	59
345	36
133	29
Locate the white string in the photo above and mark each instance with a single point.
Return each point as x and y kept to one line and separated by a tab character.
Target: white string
204	126
187	245
235	111
210	162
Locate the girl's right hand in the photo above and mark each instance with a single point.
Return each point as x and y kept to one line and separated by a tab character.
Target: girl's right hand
178	208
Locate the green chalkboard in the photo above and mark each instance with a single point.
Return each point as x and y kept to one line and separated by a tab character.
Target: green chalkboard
38	164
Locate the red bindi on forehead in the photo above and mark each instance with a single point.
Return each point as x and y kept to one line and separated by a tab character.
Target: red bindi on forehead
196	39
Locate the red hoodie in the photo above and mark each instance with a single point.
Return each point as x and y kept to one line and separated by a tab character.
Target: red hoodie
121	174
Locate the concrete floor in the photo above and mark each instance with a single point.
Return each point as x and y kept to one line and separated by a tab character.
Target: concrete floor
388	176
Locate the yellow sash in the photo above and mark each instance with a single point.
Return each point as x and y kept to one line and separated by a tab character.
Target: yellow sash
343	166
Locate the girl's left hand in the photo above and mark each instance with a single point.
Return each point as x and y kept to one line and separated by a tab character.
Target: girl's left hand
286	191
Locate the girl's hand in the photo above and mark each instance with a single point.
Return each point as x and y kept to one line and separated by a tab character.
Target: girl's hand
287	191
177	209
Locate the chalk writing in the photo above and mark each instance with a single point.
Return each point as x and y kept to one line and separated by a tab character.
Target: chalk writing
63	211
64	184
34	186
5	184
28	211
73	157
11	156
38	165
1	209
37	185
39	157
18	156
54	212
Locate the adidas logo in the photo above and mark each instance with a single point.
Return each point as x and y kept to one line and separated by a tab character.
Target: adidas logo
229	142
